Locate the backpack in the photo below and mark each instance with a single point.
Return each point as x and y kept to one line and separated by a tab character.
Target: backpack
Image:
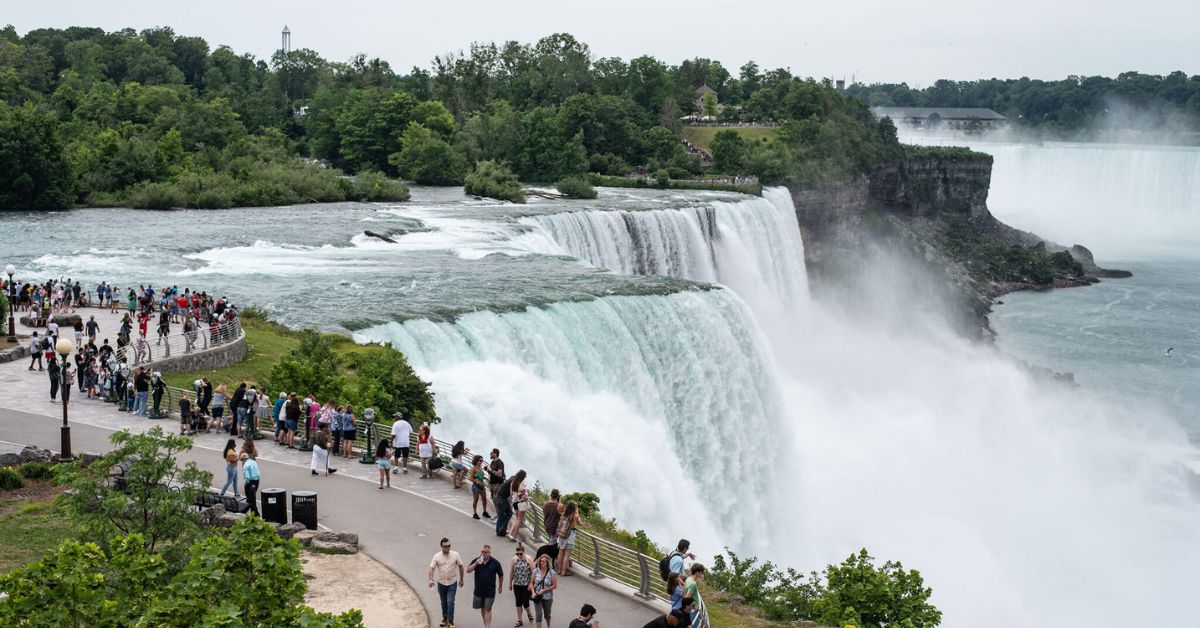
664	565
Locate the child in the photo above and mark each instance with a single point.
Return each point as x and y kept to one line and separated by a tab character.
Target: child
383	462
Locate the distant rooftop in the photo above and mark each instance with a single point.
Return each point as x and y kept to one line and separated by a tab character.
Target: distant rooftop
945	113
705	89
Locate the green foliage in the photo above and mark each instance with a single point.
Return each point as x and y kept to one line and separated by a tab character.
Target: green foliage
10	479
576	187
387	383
33	171
588	503
252	312
947	153
729	152
249	578
157	498
312	367
855	591
36	470
376	186
427	159
989	259
494	180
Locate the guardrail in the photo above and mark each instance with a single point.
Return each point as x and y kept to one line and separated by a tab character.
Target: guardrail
602	558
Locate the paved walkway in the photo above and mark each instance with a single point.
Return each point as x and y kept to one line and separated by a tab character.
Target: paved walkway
399	527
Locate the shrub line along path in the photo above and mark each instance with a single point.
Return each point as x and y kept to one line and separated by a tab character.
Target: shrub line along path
399	527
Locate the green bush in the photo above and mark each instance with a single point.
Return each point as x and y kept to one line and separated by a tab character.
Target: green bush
375	186
156	196
10	479
588	503
662	178
36	470
494	180
576	187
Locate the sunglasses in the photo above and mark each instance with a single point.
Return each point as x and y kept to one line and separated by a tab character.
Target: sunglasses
446	546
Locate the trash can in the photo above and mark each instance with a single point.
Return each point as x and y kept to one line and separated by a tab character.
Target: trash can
304	508
274	505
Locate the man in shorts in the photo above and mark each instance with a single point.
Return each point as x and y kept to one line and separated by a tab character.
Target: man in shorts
487	571
401	439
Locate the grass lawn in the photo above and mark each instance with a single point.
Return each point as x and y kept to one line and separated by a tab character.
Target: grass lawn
724	612
31	523
702	136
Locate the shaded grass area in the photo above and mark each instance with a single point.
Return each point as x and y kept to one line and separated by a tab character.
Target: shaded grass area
725	612
702	136
32	522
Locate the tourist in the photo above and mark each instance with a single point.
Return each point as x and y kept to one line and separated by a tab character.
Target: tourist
457	464
551	514
185	415
425	450
520	579
503	502
691	589
277	414
231	459
218	407
487	571
566	537
320	453
160	388
206	395
235	408
401	439
675	564
349	432
250	475
586	619
141	387
673	618
291	419
335	429
478	488
78	327
164	326
246	411
383	462
35	352
520	504
92	328
495	473
544	582
442	573
675	589
55	377
262	413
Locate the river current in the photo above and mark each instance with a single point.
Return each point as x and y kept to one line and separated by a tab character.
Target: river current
661	350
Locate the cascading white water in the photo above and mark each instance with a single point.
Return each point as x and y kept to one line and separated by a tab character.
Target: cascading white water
671	395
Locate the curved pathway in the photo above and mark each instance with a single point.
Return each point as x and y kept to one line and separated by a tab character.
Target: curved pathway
399	527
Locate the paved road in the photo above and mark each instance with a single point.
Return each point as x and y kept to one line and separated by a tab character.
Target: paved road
400	527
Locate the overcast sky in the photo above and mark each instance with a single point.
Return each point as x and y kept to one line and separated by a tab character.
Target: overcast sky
917	41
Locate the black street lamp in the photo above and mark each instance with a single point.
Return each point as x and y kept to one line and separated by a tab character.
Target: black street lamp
12	304
64	347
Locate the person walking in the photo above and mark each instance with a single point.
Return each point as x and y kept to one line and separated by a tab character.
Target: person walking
320	453
489	582
442	573
250	474
478	487
206	395
92	327
566	537
551	514
55	377
503	501
544	582
35	352
383	462
457	464
520	582
230	456
586	619
401	439
425	450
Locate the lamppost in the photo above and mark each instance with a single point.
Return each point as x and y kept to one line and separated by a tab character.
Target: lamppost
12	304
64	347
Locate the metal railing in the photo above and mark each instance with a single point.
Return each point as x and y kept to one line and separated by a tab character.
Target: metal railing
602	558
181	343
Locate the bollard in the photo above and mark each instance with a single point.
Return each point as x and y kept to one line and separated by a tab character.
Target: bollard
304	508
274	505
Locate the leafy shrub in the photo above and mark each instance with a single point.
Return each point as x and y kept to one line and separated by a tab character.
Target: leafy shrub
576	187
376	186
609	164
36	470
156	196
10	479
252	312
662	178
588	503
494	180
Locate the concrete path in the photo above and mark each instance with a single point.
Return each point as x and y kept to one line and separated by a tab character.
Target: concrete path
399	527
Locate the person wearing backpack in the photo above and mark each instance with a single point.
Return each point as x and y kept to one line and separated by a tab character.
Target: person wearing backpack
673	562
35	352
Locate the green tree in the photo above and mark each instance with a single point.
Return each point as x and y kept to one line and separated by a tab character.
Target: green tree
153	498
494	180
729	151
387	383
427	159
313	366
33	172
880	596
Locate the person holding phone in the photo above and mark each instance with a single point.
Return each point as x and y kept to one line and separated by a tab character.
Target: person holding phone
442	573
489	582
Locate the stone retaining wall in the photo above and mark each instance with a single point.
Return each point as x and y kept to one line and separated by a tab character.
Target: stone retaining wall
209	359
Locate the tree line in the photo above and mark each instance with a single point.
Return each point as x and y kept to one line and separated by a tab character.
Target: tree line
1068	107
157	119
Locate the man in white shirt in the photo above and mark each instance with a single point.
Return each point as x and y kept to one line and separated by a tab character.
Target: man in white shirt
401	438
441	572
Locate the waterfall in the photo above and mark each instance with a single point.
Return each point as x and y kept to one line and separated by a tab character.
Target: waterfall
674	395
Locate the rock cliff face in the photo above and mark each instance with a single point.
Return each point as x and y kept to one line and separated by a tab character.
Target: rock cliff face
931	208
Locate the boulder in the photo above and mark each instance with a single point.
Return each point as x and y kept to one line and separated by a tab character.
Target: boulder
210	515
289	530
9	459
35	454
304	537
228	519
88	457
329	536
333	547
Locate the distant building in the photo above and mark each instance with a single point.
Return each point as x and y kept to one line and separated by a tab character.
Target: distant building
701	93
955	118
